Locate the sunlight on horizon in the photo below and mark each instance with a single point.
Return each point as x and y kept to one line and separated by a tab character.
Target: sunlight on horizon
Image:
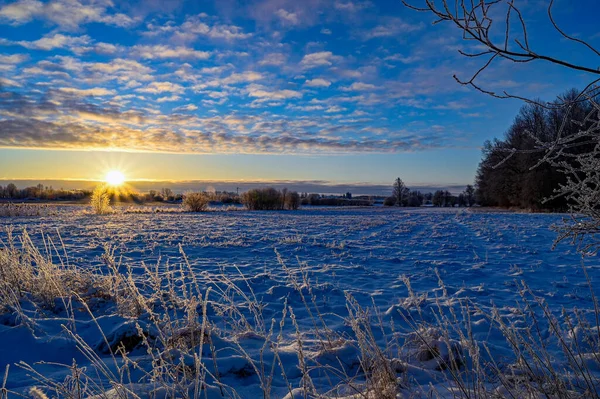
115	178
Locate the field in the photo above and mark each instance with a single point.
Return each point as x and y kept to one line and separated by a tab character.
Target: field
338	302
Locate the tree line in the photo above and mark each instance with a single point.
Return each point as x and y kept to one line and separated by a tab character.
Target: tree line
41	192
404	196
520	178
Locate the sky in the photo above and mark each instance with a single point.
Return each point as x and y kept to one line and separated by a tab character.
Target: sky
339	91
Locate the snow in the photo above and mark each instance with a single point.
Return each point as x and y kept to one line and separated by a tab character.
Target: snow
409	263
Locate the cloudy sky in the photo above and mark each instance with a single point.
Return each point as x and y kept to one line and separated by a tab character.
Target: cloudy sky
328	90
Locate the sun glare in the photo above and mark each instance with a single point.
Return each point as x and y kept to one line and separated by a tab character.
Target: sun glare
115	178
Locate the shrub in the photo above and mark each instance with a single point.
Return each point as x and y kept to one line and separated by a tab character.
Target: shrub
195	202
389	201
262	199
100	201
292	201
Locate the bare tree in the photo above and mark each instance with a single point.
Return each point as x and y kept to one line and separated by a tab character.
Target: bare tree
400	191
576	154
475	19
469	195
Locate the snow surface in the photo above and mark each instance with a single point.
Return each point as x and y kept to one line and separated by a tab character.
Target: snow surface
364	252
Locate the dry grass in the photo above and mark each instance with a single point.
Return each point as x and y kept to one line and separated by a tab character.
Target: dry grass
16	210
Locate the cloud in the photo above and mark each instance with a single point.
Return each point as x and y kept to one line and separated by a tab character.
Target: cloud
35	119
326	31
188	107
163	51
9	82
67	14
306	108
162	87
359	86
55	41
335	109
317	83
120	66
21	11
233	79
96	91
274	59
168	99
78	135
352	6
394	27
403	59
318	59
195	26
13	58
263	93
288	18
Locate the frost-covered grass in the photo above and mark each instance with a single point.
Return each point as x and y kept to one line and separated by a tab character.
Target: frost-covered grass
332	303
13	210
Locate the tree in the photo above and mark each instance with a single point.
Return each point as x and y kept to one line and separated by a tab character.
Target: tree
167	193
292	201
399	192
415	199
11	190
575	154
469	195
438	198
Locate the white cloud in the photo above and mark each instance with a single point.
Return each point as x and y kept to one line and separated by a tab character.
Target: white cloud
352	6
123	68
275	59
394	27
13	58
162	51
359	86
67	14
402	59
317	83
262	92
162	87
21	11
9	82
335	109
188	107
195	26
321	58
168	99
233	79
57	40
106	48
289	18
306	108
96	91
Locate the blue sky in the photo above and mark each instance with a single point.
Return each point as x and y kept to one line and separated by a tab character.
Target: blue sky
337	90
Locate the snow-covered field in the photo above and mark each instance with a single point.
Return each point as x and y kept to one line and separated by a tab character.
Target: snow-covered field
426	268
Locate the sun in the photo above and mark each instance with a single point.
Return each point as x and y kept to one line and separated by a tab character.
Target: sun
115	178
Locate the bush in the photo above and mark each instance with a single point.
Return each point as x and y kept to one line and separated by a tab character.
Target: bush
292	201
270	199
195	202
100	201
262	199
389	201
